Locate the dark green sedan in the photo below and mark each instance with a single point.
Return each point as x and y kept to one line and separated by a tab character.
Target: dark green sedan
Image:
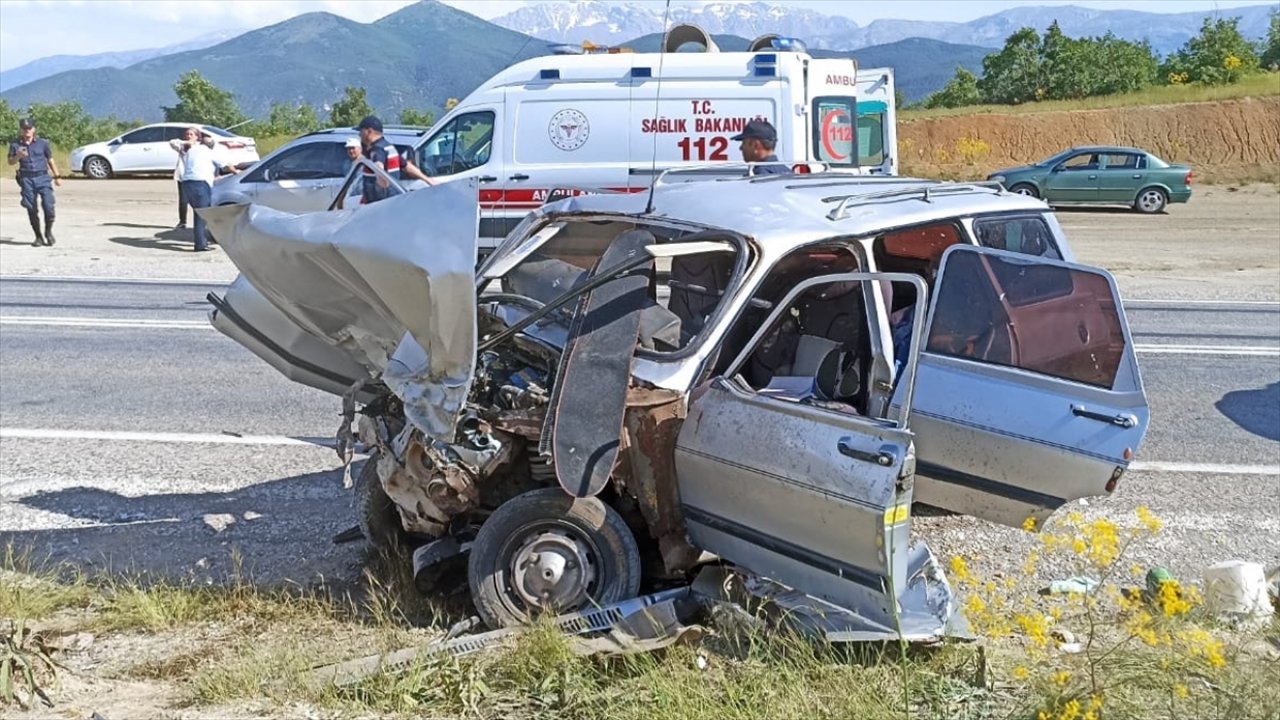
1101	175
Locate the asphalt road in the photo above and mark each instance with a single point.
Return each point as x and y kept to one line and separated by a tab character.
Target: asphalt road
126	421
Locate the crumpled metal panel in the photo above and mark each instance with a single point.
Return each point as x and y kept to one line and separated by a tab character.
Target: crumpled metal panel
392	283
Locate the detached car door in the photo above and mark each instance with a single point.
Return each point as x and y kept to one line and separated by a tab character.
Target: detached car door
1027	394
812	494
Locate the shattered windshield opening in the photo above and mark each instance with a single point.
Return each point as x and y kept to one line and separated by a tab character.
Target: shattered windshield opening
684	292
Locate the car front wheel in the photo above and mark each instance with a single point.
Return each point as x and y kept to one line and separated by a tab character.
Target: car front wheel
1025	189
97	167
545	551
1151	201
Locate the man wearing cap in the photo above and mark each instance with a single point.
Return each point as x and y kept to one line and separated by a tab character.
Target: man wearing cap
37	174
381	153
353	149
758	141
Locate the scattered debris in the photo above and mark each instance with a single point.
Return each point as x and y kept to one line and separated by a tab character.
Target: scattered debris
1079	585
1236	590
219	521
251	515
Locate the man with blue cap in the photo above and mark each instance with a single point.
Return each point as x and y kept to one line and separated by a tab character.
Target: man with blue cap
37	174
758	141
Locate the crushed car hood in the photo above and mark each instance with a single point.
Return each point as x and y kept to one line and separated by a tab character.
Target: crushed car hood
392	284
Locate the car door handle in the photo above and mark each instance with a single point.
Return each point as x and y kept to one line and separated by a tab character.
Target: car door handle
519	176
1093	177
1137	176
487	179
1120	419
882	458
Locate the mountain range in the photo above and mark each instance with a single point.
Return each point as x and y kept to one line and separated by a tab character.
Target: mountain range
54	64
425	53
612	22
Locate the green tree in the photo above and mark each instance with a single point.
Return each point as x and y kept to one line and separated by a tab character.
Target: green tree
1012	76
288	119
8	121
1270	59
1217	56
351	109
960	91
200	101
409	116
67	125
1127	66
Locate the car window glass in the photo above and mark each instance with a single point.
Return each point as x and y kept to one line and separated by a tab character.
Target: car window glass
1088	161
310	161
174	132
870	138
1028	235
833	136
1123	161
145	135
465	143
1046	319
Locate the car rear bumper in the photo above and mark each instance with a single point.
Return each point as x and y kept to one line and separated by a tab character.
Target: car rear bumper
1179	196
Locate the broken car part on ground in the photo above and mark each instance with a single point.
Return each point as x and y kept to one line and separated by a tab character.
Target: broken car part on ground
764	372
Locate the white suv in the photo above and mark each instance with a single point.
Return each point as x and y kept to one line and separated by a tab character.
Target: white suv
146	150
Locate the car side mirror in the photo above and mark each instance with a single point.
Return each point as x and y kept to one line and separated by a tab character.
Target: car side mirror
117	141
1058	168
270	175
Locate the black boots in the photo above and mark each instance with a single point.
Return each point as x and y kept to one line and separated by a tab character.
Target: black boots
45	238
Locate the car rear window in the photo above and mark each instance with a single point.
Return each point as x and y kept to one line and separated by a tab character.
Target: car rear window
1025	234
1046	319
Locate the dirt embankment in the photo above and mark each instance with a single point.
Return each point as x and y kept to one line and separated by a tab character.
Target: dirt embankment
1223	141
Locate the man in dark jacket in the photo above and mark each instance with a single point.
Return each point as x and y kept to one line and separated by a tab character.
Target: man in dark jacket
37	175
758	141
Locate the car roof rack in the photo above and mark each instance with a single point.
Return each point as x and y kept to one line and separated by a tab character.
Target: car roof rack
923	192
738	168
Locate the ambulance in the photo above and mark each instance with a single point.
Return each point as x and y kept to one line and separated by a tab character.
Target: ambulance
608	120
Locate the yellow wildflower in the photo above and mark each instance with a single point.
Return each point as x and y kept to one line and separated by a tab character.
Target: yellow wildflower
1149	521
1061	678
1171	601
1029	524
1231	62
1035	628
1181	691
959	569
1078	546
1021	673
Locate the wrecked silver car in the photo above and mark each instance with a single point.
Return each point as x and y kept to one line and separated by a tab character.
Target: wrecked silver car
731	371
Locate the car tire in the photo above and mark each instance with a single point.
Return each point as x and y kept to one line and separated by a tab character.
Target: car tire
545	551
1025	189
1150	201
96	167
375	513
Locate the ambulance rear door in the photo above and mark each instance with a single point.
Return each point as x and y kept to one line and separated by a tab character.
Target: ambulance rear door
686	106
831	91
877	122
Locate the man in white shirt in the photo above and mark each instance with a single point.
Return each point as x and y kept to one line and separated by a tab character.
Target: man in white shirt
198	165
177	181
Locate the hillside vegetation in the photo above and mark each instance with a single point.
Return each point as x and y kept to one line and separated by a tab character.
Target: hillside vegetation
1227	134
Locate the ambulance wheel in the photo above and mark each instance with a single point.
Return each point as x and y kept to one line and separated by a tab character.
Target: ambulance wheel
545	551
376	514
97	167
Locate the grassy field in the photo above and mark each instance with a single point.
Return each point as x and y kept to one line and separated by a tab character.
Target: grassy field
239	650
1262	85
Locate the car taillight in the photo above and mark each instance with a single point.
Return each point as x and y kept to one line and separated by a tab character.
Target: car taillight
233	145
1187	179
801	168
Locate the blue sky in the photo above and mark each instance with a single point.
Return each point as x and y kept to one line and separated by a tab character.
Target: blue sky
31	29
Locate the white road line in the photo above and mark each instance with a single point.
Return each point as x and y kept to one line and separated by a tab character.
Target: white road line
189	438
104	322
1172	301
98	279
1232	350
285	440
1207	468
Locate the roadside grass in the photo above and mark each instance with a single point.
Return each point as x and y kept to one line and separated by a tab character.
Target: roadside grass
1260	85
1113	652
